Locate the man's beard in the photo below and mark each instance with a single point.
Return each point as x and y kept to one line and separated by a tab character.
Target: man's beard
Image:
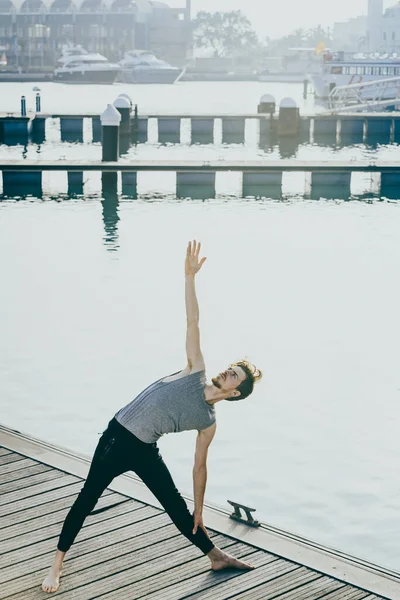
216	383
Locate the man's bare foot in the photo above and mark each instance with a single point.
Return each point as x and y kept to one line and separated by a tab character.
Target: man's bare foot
52	581
220	560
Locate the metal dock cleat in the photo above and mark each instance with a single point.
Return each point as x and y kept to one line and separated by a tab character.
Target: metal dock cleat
237	515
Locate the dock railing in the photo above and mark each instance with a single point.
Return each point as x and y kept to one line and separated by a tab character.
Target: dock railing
352	97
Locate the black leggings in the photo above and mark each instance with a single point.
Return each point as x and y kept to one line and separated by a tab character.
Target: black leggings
119	451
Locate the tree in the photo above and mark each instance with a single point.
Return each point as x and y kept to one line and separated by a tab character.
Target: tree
300	38
227	33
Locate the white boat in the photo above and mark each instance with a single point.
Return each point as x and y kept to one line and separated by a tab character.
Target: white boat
339	69
70	52
141	66
77	65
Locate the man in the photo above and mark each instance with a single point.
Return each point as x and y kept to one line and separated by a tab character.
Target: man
180	402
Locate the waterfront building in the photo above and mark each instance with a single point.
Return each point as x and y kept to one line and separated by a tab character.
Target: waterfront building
379	31
34	31
350	36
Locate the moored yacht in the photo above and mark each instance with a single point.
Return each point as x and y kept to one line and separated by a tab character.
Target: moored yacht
141	66
77	65
340	69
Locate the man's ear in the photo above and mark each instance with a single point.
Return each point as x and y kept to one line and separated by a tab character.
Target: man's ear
235	394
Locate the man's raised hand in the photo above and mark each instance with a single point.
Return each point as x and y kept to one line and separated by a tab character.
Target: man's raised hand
192	263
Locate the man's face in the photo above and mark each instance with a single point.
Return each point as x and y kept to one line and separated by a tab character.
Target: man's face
229	379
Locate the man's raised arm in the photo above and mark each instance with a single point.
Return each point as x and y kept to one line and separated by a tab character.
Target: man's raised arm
192	267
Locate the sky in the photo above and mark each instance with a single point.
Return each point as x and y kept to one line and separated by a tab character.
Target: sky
277	18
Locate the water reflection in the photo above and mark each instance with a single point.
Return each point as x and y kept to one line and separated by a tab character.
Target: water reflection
124	145
110	206
285	147
288	147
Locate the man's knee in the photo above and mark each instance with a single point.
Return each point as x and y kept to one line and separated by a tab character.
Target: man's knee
88	496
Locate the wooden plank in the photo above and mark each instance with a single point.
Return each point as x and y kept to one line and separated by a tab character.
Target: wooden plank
150	561
44	509
17	466
88	546
39	499
22	473
37	490
29	482
266	591
179	581
48	544
314	590
348	593
53	530
4	451
10	458
271	572
45	520
132	583
79	564
85	583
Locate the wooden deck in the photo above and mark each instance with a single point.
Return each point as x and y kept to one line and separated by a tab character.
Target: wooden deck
131	550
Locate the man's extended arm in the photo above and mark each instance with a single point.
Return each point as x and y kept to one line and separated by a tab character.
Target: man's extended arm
192	266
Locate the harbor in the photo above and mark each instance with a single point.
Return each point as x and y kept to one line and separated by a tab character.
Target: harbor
125	129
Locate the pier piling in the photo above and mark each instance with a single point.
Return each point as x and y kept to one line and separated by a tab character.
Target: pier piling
23	106
123	106
38	129
96	129
140	130
267	104
110	121
267	107
128	98
289	118
305	88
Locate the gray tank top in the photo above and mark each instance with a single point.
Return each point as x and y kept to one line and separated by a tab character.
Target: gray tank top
167	407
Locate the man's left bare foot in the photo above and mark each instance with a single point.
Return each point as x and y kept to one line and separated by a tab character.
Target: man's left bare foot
220	560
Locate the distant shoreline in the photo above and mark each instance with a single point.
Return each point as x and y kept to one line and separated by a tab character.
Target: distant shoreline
41	76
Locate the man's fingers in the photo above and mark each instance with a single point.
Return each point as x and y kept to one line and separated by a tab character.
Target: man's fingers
203	260
193	251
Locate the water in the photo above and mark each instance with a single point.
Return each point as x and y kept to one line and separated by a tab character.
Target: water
92	310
